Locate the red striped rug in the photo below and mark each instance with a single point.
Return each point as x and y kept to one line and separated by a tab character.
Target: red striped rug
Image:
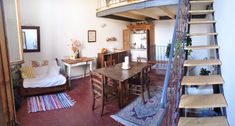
49	102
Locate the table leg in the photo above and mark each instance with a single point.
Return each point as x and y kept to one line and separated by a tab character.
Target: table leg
90	65
121	94
85	70
69	71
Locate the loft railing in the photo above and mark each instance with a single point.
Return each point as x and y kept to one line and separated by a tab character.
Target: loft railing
106	4
161	53
174	73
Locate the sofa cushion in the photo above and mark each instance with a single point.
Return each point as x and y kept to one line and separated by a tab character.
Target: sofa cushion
27	72
53	70
40	63
42	70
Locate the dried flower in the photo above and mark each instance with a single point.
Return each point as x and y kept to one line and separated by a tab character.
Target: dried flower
75	45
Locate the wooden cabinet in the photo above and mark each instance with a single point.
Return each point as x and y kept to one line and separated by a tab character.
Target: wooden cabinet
126	39
118	56
150	39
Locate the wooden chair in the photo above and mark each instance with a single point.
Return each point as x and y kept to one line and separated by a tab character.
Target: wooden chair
138	86
109	63
110	81
100	89
141	59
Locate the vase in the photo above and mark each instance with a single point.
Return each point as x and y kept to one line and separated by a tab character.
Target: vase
77	54
73	56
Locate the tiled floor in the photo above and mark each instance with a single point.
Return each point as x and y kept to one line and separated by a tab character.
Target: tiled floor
78	115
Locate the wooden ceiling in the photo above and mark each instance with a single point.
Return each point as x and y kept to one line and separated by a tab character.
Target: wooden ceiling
148	13
154	13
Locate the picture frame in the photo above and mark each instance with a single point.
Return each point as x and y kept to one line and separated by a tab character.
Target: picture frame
31	38
91	35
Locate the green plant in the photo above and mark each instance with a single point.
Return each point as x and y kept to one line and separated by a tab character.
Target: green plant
188	43
204	71
168	49
178	46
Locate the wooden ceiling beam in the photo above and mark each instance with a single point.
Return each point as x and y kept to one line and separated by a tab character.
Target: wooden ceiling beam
130	15
167	12
146	14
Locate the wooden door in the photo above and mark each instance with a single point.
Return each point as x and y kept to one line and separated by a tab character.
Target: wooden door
126	39
7	112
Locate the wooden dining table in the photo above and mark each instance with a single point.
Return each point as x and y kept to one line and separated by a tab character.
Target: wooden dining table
116	73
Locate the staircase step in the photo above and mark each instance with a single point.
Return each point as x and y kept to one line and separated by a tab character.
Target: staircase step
201	47
202	62
202	80
202	34
202	22
203	121
202	101
201	1
200	11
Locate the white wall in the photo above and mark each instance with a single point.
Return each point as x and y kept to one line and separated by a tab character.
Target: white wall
164	31
61	20
226	29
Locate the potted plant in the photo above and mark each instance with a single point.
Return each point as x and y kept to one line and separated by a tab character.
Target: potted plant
204	71
188	43
168	48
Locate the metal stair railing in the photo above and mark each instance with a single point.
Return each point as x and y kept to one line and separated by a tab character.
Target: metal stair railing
174	73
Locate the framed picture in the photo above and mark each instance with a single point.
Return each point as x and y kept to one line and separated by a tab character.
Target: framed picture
91	35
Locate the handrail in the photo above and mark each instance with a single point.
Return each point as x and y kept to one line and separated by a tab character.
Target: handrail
176	53
174	72
168	71
167	75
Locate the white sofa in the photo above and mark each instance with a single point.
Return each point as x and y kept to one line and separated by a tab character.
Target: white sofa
47	79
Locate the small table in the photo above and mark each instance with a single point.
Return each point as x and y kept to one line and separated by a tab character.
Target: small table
117	73
69	63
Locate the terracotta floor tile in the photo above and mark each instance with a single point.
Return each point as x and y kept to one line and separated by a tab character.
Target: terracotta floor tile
78	115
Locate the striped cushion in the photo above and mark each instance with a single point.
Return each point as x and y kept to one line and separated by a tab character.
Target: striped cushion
27	72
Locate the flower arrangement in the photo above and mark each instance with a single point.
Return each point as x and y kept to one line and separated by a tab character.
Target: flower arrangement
75	44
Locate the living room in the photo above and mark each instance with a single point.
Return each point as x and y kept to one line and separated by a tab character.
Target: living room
60	25
64	25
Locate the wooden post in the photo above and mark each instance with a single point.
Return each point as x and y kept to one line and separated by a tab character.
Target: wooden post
7	110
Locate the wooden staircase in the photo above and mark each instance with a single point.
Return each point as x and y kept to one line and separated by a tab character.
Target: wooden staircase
215	101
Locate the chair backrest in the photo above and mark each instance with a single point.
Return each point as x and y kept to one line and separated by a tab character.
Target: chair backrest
109	63
145	74
97	82
141	59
